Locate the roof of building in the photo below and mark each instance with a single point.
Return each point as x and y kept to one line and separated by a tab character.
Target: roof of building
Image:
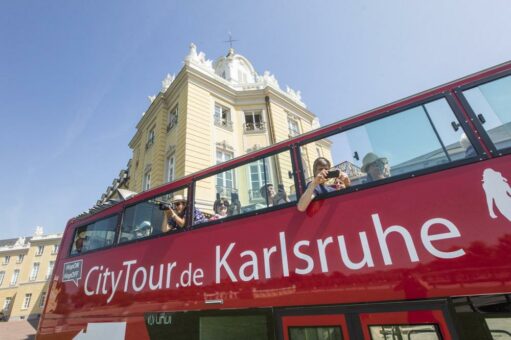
9	242
15	243
237	72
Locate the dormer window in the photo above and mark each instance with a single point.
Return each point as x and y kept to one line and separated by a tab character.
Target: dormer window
242	76
222	117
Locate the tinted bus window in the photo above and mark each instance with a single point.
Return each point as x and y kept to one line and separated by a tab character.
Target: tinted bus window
257	185
317	333
418	138
412	332
100	234
483	317
233	327
491	103
500	328
147	219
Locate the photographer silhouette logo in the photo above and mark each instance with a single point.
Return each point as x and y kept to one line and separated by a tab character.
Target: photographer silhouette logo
498	193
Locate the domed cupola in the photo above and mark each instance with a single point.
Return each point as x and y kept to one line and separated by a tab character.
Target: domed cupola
235	68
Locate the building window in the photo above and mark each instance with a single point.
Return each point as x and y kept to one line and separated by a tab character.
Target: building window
55	249
224	180
7	303
254	122
43	297
170	164
2	275
147	181
318	150
26	301
223	117
39	251
258	178
20	258
292	126
35	270
6	260
14	277
172	118
150	138
50	269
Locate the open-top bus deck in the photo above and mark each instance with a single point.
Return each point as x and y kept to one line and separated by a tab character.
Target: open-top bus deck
422	253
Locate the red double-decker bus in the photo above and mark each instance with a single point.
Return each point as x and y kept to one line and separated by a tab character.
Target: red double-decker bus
417	247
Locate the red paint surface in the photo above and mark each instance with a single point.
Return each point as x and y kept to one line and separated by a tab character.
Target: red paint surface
455	195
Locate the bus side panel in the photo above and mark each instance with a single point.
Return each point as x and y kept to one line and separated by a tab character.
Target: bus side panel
438	235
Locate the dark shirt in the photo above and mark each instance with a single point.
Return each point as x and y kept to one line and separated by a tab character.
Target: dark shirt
321	189
198	217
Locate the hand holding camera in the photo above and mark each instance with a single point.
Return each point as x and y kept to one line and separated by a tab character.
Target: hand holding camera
333	173
164	206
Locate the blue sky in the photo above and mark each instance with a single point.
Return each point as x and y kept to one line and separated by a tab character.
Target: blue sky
75	75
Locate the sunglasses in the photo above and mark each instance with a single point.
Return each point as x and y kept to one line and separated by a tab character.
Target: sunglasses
177	204
380	165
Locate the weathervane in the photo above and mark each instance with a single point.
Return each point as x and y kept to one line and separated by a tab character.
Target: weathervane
230	41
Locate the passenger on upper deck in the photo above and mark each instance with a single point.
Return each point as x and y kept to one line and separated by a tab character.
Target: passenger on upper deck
281	196
143	230
338	184
176	219
317	185
268	193
235	207
376	167
80	242
220	207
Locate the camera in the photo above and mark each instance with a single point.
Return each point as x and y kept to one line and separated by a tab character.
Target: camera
333	173
164	206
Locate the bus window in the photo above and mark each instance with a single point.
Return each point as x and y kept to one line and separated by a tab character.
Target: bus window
483	317
257	185
99	234
146	218
317	332
491	103
233	327
500	328
417	138
412	332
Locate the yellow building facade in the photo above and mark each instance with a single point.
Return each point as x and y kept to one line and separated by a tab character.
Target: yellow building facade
26	265
213	111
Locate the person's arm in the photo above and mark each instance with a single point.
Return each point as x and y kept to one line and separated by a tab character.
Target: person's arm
180	221
308	194
171	214
306	198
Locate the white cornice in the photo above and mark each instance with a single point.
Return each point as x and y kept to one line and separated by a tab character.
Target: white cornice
43	238
220	88
26	283
13	249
